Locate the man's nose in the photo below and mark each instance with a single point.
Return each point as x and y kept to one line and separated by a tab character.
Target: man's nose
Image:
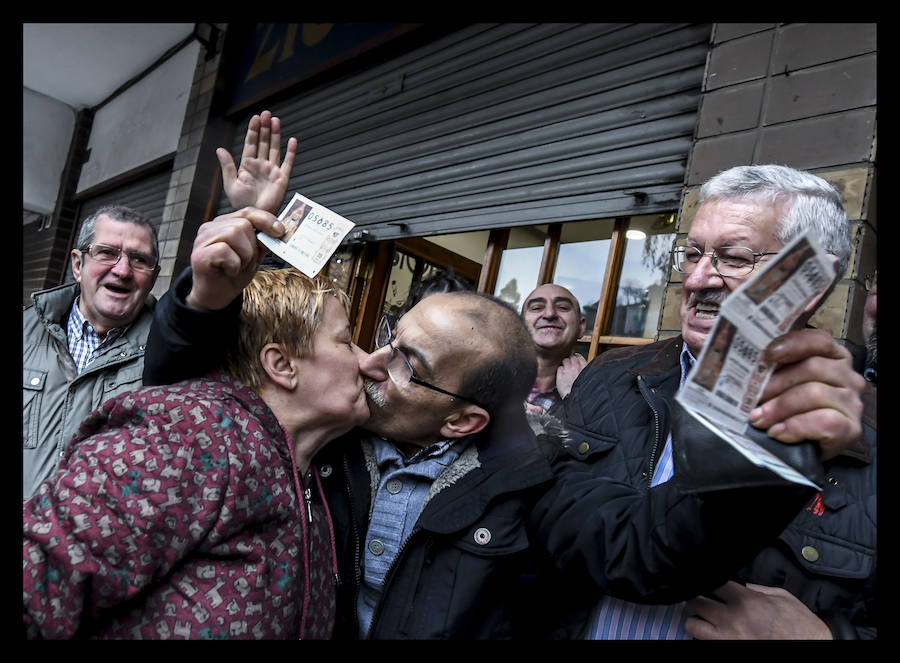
703	276
549	313
123	268
373	364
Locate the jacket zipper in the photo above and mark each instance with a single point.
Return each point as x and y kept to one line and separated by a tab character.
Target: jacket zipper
655	448
115	361
304	494
356	540
307	496
62	443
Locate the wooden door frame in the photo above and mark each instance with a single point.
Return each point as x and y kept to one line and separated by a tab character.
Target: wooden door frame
373	269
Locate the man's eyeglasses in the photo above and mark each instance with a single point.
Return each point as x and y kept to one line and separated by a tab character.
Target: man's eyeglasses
110	255
399	367
727	261
870	281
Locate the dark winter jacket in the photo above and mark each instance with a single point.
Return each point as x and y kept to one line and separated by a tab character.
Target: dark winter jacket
524	537
458	575
514	547
618	419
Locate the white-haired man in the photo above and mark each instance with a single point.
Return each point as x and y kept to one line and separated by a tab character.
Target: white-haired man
816	579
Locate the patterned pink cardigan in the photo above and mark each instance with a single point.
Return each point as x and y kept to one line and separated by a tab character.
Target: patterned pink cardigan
178	513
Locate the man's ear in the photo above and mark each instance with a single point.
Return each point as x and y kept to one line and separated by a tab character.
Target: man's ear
76	264
467	420
153	278
582	327
279	366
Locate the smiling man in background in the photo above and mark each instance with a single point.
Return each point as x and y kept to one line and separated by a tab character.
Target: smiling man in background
553	317
83	342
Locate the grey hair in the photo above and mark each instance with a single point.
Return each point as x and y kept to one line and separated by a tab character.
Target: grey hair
813	203
116	213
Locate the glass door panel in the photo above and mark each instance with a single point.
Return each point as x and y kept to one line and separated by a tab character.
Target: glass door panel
645	267
520	264
581	263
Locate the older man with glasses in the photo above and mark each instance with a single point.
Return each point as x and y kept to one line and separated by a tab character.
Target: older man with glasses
816	579
83	342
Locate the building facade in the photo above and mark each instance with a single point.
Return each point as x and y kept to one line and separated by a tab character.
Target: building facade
519	154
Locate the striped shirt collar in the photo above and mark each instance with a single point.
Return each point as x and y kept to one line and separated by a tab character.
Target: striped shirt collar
687	362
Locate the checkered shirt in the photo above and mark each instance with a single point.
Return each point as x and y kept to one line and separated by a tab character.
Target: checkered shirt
84	341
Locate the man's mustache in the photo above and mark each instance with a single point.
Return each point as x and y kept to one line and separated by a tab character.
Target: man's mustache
373	391
708	296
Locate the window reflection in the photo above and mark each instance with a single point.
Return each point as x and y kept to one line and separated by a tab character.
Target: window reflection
339	268
581	263
408	269
405	269
643	280
520	264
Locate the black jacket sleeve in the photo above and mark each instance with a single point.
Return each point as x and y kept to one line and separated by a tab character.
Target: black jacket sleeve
185	342
657	545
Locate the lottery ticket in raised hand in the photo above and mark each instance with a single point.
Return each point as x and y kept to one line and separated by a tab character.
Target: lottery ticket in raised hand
312	234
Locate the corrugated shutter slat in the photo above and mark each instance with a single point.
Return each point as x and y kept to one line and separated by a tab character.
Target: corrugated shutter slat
147	195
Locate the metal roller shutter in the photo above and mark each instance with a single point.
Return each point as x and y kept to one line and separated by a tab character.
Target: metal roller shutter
146	195
503	125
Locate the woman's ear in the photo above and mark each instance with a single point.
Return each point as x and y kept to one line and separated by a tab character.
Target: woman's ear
465	421
279	366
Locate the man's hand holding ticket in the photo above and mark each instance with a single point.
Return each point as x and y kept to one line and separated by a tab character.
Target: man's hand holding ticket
731	372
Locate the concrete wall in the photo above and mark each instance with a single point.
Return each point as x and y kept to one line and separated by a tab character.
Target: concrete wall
47	126
801	95
195	172
143	124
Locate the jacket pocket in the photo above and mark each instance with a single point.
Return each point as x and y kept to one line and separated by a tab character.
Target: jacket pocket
582	444
819	554
33	382
494	535
127	378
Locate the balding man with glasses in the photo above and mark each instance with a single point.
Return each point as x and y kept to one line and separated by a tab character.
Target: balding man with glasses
83	342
